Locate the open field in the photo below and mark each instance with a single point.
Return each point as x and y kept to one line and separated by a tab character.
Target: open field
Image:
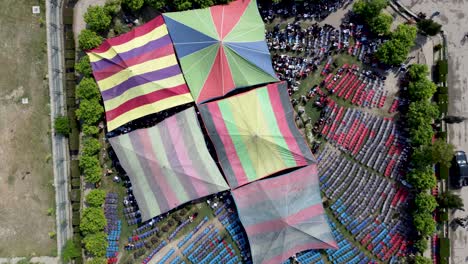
25	160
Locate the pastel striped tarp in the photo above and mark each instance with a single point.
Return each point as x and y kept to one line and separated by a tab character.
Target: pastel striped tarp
254	134
168	164
138	74
283	215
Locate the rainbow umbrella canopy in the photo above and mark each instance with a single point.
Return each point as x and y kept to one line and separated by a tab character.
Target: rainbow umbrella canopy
283	215
138	74
168	164
254	134
221	48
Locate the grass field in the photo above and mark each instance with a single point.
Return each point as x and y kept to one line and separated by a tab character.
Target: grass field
26	175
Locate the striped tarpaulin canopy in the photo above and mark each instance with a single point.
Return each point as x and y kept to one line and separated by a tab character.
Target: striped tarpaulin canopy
221	48
254	134
138	74
168	164
283	215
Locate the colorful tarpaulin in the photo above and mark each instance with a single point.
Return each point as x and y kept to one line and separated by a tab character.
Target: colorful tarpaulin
221	48
138	74
168	164
283	215
254	134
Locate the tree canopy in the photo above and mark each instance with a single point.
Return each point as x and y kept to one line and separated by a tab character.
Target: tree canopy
90	111
429	27
395	51
418	72
425	203
91	168
97	261
450	200
421	157
70	251
97	19
62	125
182	4
90	130
88	39
406	34
421	112
422	179
424	223
421	260
96	197
92	220
422	89
96	244
421	244
83	66
113	7
380	24
442	152
392	52
157	4
87	89
91	146
422	135
134	5
369	9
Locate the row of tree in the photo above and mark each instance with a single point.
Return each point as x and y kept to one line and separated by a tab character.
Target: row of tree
395	50
420	116
92	226
370	11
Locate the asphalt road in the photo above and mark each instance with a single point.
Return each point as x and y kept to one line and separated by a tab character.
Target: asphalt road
60	155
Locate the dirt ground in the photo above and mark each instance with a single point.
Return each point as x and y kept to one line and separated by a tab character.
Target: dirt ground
25	166
454	18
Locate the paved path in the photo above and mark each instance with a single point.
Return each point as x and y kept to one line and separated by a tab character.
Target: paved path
57	107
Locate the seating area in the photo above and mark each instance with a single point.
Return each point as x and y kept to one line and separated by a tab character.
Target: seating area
113	228
373	141
365	204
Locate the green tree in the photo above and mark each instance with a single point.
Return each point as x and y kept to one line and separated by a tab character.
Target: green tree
424	223
70	251
96	197
182	4
421	112
96	244
87	89
369	9
423	89
422	135
97	18
429	27
62	125
406	34
418	72
92	220
91	146
425	203
83	66
442	152
93	174
90	130
421	158
113	7
134	5
380	24
157	4
421	260
90	111
392	52
97	261
422	179
421	244
203	3
88	39
88	162
450	200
